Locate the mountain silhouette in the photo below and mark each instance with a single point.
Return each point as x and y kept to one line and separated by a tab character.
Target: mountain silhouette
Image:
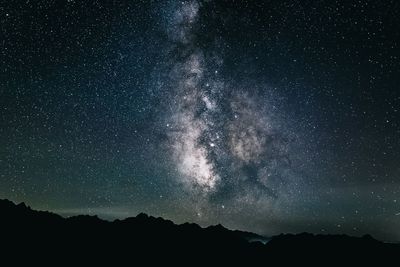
44	237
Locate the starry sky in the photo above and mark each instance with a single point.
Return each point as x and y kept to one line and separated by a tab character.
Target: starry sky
266	116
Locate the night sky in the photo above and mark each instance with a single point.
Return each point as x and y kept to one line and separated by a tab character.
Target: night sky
267	116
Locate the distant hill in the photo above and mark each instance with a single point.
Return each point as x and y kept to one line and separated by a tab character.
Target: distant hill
36	236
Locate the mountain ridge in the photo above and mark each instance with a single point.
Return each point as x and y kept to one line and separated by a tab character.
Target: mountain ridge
84	235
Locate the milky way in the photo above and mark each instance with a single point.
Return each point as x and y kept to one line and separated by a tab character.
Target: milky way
221	137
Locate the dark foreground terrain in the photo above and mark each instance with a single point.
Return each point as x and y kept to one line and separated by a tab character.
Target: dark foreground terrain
41	237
